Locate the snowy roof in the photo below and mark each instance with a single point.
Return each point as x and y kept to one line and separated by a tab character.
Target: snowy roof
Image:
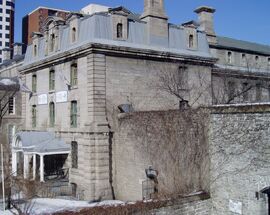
227	42
41	142
98	29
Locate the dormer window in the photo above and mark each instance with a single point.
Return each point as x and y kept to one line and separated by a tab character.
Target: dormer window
256	59
119	29
73	35
52	42
191	41
35	50
229	57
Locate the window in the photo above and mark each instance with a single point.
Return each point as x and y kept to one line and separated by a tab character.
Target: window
7	36
74	75
73	114
231	89
256	59
268	61
1	10
244	58
35	50
7	44
7	27
1	18
74	154
52	42
73	36
11	133
52	114
52	80
34	116
258	92
9	3
119	30
34	83
229	57
8	11
11	105
1	27
7	19
245	89
269	92
191	41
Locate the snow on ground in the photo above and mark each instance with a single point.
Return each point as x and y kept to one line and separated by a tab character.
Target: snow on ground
41	206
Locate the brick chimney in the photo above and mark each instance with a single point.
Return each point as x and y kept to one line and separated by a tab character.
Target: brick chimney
206	21
157	21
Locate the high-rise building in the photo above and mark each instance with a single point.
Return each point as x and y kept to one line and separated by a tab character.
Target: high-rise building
7	8
34	21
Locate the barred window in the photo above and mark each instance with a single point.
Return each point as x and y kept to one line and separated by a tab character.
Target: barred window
74	154
52	80
52	114
73	114
34	83
11	105
74	75
34	116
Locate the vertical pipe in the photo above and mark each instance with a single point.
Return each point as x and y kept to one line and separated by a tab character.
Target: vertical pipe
3	177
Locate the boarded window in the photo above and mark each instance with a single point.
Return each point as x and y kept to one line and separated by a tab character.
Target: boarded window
74	75
74	154
52	80
34	116
119	30
34	83
73	114
11	105
52	114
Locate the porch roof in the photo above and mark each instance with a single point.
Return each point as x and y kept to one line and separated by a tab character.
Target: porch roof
40	143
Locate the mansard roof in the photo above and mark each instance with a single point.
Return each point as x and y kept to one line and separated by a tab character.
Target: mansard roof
98	29
240	45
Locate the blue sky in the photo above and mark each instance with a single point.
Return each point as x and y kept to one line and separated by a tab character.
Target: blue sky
240	19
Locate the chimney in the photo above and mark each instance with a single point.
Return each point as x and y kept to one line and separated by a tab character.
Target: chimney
207	22
157	22
6	54
17	49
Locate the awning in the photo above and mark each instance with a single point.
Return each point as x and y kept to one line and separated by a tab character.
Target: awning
40	143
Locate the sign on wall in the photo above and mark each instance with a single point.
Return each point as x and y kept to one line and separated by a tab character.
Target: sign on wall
42	99
61	96
235	207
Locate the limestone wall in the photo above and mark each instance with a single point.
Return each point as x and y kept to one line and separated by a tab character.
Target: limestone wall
239	151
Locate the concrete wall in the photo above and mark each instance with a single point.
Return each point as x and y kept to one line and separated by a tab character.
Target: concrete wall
239	151
172	142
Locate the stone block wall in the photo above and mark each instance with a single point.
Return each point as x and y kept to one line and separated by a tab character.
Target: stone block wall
239	152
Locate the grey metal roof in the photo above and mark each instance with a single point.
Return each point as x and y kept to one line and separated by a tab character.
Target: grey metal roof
98	29
16	59
230	43
41	142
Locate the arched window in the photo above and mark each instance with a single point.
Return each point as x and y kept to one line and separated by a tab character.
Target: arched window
73	114
191	41
74	75
34	116
229	57
52	114
34	83
119	30
73	35
52	42
35	50
52	80
74	154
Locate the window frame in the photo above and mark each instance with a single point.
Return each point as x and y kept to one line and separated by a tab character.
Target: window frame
52	114
119	31
74	74
52	80
34	83
74	114
34	116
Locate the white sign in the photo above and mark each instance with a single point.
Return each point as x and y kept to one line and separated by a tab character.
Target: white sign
61	96
42	99
235	207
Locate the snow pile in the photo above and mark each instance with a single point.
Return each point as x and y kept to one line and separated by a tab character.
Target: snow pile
48	206
7	82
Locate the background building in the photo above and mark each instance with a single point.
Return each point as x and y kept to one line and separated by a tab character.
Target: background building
37	18
6	24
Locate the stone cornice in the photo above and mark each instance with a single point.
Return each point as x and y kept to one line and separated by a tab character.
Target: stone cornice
113	50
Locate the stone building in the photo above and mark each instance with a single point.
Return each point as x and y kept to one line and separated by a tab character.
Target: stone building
85	70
